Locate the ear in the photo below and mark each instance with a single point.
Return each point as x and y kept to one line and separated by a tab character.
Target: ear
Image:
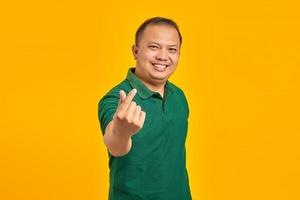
134	50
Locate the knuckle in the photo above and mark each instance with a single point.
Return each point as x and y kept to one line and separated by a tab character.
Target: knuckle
136	122
139	125
128	120
119	116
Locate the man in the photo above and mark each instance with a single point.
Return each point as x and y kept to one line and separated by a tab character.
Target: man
144	120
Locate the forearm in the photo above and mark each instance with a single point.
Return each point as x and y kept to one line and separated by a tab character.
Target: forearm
116	143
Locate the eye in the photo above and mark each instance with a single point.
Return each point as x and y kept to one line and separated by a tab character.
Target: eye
153	47
172	50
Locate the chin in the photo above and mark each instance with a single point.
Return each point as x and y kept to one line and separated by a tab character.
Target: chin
159	78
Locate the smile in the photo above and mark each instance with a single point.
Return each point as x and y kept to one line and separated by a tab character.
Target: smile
160	67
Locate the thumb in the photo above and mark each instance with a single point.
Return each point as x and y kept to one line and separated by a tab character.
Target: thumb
122	96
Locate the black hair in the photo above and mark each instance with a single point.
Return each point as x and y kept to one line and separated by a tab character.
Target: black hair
154	21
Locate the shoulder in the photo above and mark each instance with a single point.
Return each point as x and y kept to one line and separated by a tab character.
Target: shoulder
177	89
110	100
180	95
114	92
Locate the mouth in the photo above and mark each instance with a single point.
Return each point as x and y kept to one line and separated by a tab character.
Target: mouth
160	67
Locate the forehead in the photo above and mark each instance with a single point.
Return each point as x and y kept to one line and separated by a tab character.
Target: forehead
160	33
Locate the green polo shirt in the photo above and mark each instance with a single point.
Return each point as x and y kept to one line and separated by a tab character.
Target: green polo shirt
155	166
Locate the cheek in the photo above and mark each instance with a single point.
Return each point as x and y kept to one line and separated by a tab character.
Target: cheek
147	56
151	55
174	59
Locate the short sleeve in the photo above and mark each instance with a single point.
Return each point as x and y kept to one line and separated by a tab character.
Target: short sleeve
185	102
106	109
187	105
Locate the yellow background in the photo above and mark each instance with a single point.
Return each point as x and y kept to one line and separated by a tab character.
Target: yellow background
239	68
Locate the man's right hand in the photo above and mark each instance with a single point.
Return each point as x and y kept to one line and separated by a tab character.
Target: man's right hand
129	117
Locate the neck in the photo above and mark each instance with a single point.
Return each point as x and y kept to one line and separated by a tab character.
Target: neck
155	87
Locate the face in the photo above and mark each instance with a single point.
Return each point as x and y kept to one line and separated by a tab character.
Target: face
157	53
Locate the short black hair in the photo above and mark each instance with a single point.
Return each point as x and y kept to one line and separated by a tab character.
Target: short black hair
154	21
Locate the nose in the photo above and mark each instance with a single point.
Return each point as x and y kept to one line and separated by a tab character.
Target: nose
162	55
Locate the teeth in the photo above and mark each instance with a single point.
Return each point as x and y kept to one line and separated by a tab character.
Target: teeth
160	66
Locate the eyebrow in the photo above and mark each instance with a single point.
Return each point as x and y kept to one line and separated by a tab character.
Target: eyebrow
171	45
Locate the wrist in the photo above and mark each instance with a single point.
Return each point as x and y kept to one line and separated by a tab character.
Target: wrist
119	134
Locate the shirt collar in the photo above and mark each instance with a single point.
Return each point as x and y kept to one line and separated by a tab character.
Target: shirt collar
143	91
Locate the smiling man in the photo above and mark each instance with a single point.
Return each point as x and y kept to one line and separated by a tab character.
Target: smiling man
144	120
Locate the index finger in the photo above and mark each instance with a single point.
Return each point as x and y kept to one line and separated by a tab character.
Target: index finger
130	96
